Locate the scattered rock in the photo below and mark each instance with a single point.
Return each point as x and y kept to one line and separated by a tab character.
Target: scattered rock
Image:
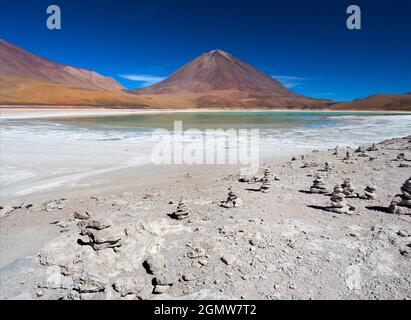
166	278
160	289
128	285
229	259
197	252
188	277
81	215
90	282
154	263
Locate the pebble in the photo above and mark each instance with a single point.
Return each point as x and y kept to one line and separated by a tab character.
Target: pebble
188	277
229	259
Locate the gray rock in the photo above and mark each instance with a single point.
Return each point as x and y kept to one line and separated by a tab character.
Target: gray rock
154	263
128	285
81	215
167	277
90	282
229	259
159	289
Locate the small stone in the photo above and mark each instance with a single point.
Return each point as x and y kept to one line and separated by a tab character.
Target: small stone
197	252
39	293
128	285
188	277
229	259
203	262
154	263
404	233
81	215
167	277
159	289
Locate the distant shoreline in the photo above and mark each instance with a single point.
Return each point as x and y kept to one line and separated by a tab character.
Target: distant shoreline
16	112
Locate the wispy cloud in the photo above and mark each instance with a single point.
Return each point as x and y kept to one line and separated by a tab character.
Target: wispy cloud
291	81
146	79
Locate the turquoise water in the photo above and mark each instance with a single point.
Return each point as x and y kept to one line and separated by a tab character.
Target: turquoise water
213	120
305	129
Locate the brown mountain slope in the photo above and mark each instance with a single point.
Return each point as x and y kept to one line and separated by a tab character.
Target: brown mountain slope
15	61
20	90
383	102
218	79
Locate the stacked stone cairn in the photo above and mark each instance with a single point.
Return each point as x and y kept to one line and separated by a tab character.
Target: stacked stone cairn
369	192
401	204
373	147
233	201
348	189
100	234
347	155
327	167
318	186
338	203
266	181
182	212
360	149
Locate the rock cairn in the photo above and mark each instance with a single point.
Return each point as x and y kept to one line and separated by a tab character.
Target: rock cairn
266	182
336	151
318	186
370	192
182	212
100	234
400	157
327	167
233	201
338	203
347	155
373	147
362	152
401	204
360	149
348	189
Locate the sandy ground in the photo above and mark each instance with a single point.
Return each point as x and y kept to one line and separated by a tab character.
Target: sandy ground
276	245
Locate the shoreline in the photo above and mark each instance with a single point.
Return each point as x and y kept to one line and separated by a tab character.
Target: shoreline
14	113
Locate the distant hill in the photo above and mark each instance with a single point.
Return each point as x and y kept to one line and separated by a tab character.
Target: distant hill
15	61
383	102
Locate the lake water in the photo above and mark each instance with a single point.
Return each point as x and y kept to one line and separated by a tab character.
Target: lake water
277	129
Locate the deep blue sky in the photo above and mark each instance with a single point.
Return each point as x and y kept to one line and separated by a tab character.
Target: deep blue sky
305	42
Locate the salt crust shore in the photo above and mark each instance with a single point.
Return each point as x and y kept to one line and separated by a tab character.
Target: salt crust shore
281	244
